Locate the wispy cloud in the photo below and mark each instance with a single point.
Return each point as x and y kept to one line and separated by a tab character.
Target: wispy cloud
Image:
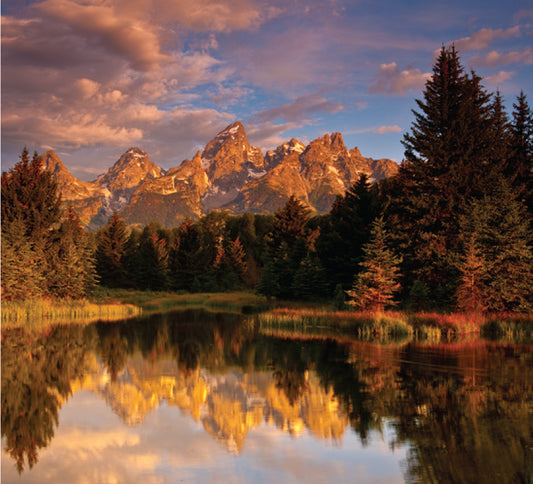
496	59
299	109
387	129
482	38
500	77
390	79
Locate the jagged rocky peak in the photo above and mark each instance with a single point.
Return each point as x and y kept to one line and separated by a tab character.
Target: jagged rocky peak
355	153
275	157
71	187
229	150
52	163
130	170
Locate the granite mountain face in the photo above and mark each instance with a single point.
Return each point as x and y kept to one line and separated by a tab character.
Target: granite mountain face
229	174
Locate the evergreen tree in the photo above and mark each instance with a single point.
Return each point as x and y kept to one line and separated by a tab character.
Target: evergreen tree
30	209
418	299
346	230
236	256
309	280
288	244
71	266
501	134
22	266
153	259
520	169
30	195
471	294
501	227
375	285
187	258
110	262
449	161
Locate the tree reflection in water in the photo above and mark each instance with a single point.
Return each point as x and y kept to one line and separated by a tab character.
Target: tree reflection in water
36	376
464	410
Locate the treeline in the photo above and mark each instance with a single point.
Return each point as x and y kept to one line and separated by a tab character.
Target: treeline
451	231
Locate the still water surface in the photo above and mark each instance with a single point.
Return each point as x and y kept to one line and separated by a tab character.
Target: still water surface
200	397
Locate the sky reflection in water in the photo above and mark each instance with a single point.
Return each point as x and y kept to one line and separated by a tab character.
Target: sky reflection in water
197	397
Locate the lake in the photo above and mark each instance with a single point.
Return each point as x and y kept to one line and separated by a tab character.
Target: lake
194	396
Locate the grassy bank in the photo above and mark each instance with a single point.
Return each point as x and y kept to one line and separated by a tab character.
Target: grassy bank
303	318
237	301
38	313
394	324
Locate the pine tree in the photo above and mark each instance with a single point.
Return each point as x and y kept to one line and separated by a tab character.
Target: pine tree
22	266
374	287
520	168
30	209
471	294
501	227
346	230
153	259
309	281
30	195
188	260
449	161
288	244
71	266
110	263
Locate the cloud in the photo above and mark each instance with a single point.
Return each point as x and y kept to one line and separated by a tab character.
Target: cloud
299	109
132	38
524	14
218	15
267	135
500	77
482	38
393	81
494	58
387	129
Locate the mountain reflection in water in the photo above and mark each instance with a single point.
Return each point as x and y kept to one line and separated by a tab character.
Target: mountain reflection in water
462	412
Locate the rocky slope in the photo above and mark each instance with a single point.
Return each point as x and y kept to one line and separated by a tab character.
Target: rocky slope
229	174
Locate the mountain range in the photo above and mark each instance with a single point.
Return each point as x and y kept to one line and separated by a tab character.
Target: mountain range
228	174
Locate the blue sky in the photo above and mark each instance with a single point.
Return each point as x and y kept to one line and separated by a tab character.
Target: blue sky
92	78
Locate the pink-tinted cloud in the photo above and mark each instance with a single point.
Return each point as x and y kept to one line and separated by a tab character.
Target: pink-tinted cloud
482	38
217	15
131	37
390	79
495	59
499	78
388	129
268	135
299	109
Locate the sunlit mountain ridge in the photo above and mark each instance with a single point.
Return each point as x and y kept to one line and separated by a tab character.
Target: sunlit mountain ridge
228	174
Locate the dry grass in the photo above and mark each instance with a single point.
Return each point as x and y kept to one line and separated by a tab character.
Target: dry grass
431	327
37	313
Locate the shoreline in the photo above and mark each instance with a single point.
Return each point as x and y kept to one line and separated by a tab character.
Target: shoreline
304	318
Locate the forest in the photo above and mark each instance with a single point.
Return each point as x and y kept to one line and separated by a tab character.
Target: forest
450	232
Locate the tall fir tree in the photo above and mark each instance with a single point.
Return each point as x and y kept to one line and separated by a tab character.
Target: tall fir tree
374	287
346	230
289	243
70	261
30	195
501	227
471	293
520	168
448	161
153	261
30	209
110	253
187	258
